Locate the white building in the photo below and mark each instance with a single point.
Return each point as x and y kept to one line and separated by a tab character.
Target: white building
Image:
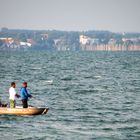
25	44
84	40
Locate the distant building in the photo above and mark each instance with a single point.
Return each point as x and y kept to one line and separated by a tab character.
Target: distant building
30	41
130	39
44	36
25	44
84	40
7	41
14	43
57	41
112	41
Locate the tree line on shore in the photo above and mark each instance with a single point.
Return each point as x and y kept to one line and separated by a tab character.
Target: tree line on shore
66	40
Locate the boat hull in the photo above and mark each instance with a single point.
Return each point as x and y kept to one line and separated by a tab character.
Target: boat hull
23	111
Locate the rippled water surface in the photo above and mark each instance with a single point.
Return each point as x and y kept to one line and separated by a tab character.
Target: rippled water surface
91	95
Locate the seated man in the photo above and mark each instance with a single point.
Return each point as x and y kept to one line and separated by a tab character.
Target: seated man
24	95
2	105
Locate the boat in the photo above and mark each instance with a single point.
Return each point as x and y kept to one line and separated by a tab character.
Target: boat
23	111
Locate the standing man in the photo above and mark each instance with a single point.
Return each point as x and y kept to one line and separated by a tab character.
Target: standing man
13	95
24	95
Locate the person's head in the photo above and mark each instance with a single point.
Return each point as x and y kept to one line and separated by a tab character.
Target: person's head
24	84
13	84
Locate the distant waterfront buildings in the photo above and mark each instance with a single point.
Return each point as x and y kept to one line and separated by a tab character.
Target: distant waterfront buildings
94	44
15	44
69	41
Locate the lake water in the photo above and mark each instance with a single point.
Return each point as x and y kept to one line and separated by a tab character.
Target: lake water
90	95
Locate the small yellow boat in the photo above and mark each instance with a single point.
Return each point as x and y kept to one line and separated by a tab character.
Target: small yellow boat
23	111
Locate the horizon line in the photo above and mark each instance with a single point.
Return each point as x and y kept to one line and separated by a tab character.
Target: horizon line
62	30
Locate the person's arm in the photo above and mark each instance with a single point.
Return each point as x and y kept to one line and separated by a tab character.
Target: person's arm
17	95
27	94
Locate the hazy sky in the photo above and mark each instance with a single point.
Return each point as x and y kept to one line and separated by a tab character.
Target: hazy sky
113	15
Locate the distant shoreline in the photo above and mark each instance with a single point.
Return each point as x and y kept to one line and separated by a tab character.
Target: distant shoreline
53	40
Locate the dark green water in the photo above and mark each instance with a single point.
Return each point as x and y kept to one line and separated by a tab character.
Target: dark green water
92	95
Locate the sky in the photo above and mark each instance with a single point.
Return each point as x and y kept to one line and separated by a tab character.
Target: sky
71	15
